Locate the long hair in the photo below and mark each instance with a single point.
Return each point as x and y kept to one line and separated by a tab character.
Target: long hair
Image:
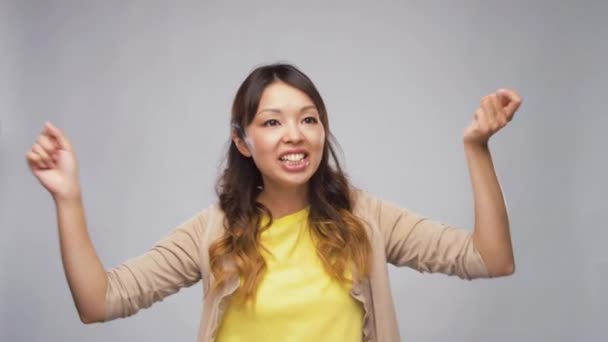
342	242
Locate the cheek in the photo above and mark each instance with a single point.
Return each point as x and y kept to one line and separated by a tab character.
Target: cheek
317	143
320	140
262	145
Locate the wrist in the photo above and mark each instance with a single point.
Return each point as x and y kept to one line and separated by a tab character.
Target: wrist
476	146
69	197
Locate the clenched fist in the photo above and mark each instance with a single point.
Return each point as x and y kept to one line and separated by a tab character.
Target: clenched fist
53	162
494	112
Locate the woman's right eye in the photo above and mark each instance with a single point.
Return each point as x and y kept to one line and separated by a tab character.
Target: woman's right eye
271	122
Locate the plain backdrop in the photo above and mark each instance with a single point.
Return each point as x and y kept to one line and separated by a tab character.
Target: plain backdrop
143	89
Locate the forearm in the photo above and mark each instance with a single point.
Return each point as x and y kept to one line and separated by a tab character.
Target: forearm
491	235
84	271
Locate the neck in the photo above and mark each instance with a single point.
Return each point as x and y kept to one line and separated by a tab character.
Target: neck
284	201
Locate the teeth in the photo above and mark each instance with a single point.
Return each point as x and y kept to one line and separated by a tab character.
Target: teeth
293	157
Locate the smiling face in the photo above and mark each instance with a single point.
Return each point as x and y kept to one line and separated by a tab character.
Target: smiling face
285	138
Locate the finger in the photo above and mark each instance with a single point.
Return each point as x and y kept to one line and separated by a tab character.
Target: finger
48	144
34	160
513	103
487	104
45	160
58	135
503	98
500	115
503	102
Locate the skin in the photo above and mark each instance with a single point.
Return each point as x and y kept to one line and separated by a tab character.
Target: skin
53	162
492	234
284	120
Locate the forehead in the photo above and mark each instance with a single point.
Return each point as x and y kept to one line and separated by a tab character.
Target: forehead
279	95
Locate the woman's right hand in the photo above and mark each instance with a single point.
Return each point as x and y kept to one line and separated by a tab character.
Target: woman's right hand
53	162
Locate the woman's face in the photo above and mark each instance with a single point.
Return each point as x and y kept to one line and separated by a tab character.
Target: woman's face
285	138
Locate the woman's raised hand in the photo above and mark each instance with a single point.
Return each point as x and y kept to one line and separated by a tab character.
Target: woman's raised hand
53	161
495	111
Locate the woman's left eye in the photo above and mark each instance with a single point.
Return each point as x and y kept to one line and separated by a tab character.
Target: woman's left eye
311	119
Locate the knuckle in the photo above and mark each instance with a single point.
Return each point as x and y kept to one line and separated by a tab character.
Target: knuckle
46	143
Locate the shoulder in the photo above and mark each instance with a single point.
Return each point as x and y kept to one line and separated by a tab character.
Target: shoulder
380	214
361	200
210	212
367	207
368	204
205	221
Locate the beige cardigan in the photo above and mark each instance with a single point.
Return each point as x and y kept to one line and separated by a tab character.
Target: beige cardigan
397	236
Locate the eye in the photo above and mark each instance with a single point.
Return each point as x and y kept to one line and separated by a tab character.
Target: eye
271	122
311	120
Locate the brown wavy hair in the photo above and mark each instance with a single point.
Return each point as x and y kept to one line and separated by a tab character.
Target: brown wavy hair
342	241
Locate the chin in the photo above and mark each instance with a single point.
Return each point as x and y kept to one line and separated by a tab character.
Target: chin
292	181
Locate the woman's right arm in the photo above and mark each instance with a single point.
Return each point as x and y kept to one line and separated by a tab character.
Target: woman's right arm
85	273
101	295
53	162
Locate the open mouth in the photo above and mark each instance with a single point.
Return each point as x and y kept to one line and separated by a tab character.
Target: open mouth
294	159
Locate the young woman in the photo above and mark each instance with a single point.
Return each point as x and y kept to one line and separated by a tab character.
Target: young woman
291	251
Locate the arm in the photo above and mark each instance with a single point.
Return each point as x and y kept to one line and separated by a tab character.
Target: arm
170	265
84	271
412	240
99	295
53	162
430	246
491	236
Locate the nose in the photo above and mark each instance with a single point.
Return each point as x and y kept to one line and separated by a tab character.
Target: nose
292	133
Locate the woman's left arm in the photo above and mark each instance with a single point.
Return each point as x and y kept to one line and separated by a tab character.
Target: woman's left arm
491	236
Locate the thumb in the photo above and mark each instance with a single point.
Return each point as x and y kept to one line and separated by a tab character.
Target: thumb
503	97
509	99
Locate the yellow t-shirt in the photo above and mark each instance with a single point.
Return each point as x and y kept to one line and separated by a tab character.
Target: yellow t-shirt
296	300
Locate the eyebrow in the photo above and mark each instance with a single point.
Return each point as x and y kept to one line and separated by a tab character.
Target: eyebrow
278	111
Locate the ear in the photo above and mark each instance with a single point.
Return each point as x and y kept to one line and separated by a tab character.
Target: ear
241	145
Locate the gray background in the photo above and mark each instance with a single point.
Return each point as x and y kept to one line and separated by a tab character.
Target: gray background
143	89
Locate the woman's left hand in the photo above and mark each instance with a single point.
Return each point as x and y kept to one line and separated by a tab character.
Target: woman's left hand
495	111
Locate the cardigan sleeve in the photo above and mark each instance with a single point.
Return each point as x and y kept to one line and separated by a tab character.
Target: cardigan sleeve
171	264
427	245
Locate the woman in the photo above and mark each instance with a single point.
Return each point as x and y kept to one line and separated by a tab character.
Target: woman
291	251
